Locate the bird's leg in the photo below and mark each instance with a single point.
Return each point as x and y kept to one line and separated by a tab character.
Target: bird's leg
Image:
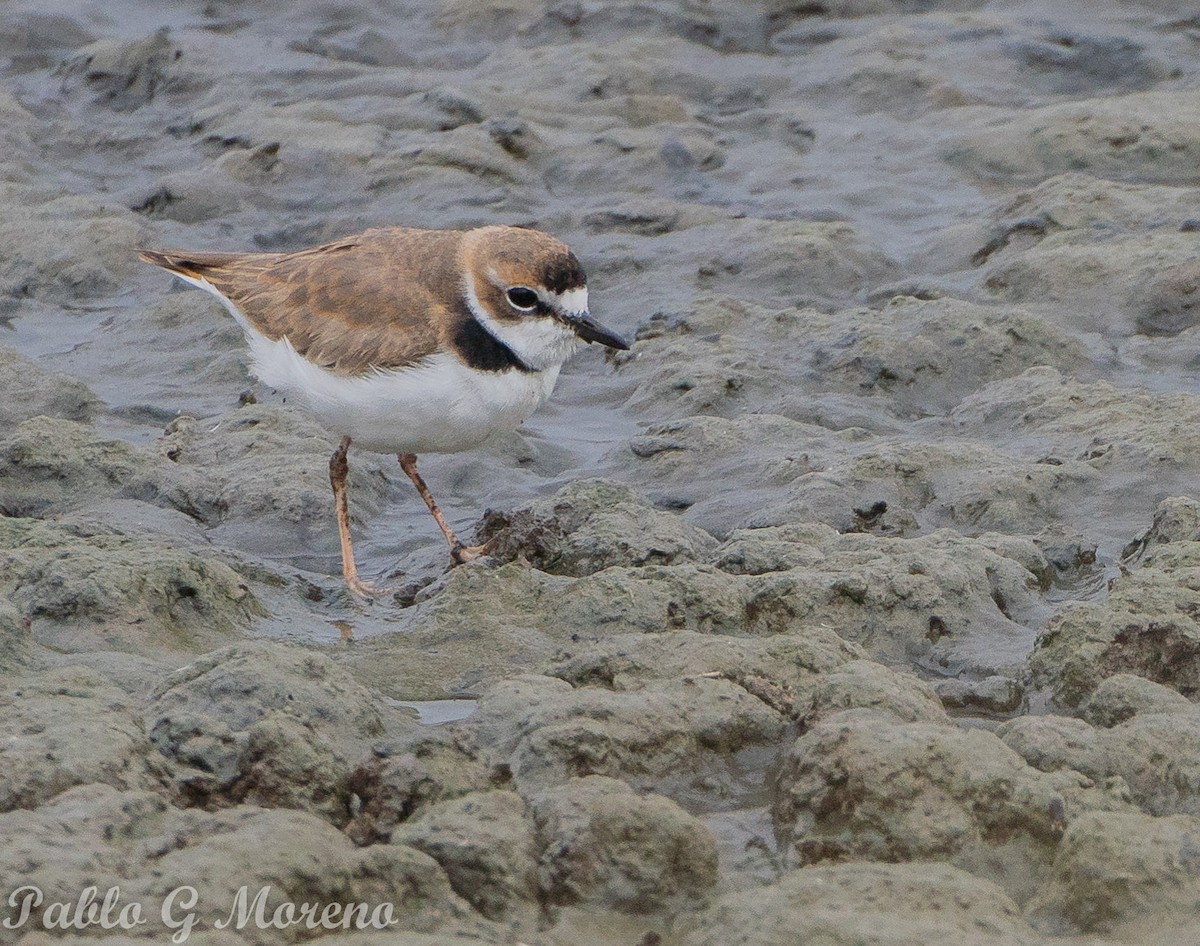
459	553
339	470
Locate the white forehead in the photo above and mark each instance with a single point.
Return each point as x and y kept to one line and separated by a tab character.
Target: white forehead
573	301
540	342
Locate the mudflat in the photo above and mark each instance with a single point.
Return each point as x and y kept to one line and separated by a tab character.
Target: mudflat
859	603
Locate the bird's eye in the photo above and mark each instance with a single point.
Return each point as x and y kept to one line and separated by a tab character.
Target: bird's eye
519	297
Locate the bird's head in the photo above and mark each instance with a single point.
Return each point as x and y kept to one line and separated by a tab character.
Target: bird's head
530	292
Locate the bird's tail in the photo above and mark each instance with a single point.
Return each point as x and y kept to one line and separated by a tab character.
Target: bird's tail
195	265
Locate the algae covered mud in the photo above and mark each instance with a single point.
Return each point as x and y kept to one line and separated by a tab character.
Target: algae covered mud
857	604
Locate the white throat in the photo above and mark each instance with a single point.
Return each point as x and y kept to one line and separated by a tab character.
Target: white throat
541	342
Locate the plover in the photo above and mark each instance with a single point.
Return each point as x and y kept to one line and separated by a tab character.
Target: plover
406	341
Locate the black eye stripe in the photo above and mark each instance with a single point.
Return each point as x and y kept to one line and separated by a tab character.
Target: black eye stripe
523	298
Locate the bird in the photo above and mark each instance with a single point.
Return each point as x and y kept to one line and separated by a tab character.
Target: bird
406	341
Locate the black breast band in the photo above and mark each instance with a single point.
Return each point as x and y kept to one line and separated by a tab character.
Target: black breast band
481	350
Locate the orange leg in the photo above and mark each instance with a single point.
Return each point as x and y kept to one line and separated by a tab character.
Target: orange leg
459	553
339	470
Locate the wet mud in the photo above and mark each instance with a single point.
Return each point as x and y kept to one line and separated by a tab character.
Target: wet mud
858	603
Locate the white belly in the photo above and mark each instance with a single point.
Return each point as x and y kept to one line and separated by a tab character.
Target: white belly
442	406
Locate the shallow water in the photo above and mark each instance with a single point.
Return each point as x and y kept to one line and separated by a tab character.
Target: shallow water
438	712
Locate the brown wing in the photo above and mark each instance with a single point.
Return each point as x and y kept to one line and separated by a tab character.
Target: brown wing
371	301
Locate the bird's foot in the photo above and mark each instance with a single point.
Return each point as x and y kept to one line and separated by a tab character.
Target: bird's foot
461	554
360	588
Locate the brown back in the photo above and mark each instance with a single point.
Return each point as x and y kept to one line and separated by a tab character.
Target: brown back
382	299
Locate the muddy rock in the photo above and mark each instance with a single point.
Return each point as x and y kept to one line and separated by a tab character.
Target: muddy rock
282	765
748	27
505	609
207	345
1172	300
521	617
16	641
309	132
1081	203
656	598
137	675
1123	696
713	373
68	727
1069	554
278	847
403	776
1072	61
942	596
17	138
261	474
591	525
766	455
605	844
676	737
1098	447
63	247
1150	759
649	217
194	195
923	356
37	40
1122	874
406	938
485	843
772	549
1119	252
938	595
1138	286
198	938
991	695
1030	552
1144	628
31	391
60	847
50	465
136	841
1050	743
878	78
862	684
908	357
1149	136
266	724
782	670
789	473
992	806
124	75
1175	520
879	904
1140	425
1017	496
798	264
131	592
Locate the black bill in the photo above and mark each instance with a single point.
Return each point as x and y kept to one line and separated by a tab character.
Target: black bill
591	331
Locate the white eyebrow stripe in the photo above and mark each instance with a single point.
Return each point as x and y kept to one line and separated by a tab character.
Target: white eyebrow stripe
573	301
